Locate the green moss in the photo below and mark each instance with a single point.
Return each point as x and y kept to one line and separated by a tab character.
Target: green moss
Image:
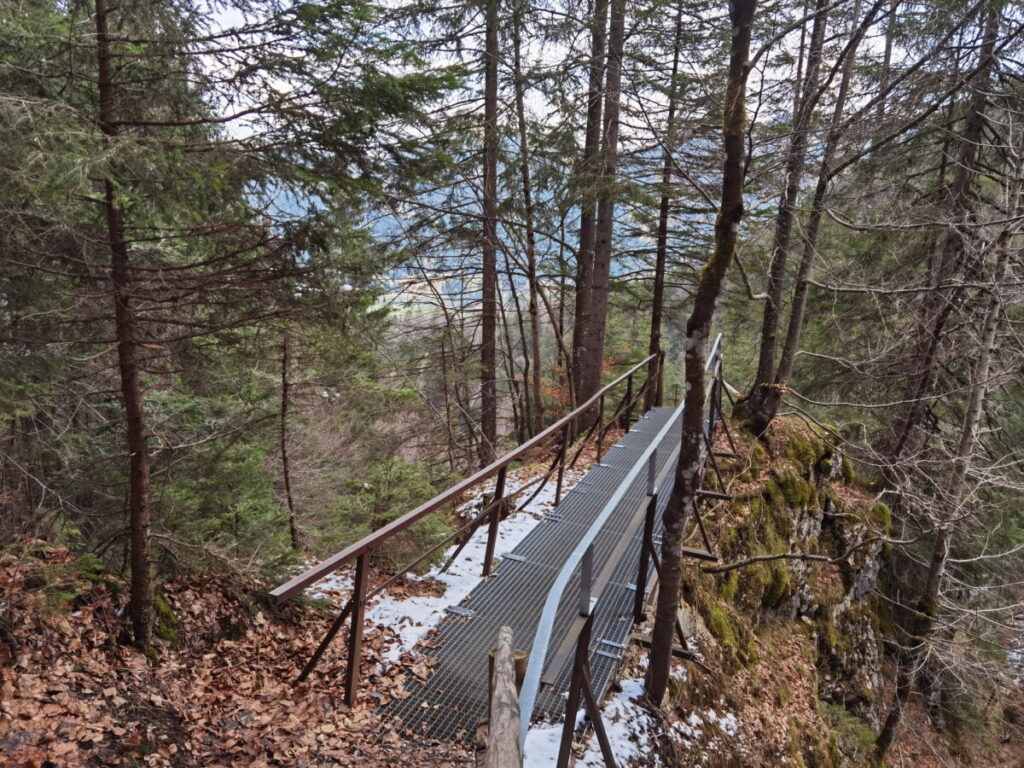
165	623
780	585
718	624
881	516
729	585
830	501
735	640
849	475
855	735
758	459
797	492
802	450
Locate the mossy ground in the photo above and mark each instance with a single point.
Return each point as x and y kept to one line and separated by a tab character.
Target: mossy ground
765	666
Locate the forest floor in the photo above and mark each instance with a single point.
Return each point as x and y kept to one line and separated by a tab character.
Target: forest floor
217	689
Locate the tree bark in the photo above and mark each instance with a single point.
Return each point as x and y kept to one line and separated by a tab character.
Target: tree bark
698	328
140	607
592	363
587	178
293	526
488	324
771	399
531	238
653	396
796	159
940	302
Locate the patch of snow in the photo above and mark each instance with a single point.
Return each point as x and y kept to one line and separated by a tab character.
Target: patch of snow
629	726
541	749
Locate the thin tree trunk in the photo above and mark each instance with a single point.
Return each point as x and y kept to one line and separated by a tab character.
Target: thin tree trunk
531	244
587	177
658	293
795	161
928	603
591	364
523	418
698	328
293	526
131	390
488	325
940	302
770	403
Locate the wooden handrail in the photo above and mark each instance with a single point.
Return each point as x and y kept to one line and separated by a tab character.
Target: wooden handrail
368	543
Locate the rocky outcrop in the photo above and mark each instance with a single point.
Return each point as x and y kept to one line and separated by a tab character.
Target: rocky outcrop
814	615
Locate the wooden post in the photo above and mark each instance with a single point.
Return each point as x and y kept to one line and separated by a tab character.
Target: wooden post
502	750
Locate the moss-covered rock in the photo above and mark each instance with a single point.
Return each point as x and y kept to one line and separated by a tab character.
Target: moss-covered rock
165	622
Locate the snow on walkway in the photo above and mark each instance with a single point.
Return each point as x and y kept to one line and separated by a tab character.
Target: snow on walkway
629	726
412	617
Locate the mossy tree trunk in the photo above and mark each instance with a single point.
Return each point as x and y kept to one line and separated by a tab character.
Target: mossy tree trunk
761	394
698	329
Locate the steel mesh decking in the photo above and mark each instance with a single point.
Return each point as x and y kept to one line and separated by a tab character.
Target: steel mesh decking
453	699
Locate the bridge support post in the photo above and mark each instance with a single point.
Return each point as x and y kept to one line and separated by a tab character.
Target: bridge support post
600	427
647	542
627	416
586	580
355	635
562	451
580	687
498	506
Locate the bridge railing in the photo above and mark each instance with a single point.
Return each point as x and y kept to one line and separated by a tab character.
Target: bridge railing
638	386
591	585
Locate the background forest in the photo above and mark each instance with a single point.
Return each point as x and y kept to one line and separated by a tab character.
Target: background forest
273	273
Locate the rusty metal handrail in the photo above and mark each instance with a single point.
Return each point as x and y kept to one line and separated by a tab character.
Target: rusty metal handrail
355	607
295	585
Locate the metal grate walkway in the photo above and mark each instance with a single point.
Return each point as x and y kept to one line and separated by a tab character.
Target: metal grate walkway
453	700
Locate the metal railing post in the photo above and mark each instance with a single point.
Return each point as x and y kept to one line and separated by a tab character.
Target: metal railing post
627	416
586	580
355	635
647	542
562	450
497	507
711	407
572	705
600	427
660	379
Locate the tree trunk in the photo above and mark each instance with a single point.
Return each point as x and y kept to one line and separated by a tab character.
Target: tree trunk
131	390
488	323
587	179
698	328
940	302
771	399
592	362
928	603
658	293
293	526
796	159
531	238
